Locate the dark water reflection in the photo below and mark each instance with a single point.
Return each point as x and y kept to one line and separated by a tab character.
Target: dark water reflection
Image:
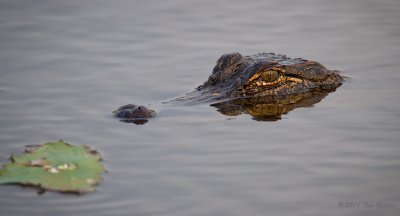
65	65
269	108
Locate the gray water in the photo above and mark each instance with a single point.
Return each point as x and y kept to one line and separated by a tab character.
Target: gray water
65	65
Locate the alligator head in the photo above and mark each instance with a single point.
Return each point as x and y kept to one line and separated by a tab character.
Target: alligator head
264	85
266	74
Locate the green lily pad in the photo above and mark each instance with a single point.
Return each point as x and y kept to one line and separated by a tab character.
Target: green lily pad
57	166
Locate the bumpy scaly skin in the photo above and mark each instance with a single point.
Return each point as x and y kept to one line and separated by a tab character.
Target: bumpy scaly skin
266	74
275	84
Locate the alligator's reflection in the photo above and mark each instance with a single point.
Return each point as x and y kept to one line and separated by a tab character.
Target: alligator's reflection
269	108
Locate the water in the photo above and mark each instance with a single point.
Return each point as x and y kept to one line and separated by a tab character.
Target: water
65	65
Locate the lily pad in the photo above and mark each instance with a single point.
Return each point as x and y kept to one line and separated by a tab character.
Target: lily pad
57	166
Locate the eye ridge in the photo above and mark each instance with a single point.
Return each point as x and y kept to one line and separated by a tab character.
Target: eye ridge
270	75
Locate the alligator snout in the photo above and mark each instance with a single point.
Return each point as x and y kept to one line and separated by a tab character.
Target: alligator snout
134	114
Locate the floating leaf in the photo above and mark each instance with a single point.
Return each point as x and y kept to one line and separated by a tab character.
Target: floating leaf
57	166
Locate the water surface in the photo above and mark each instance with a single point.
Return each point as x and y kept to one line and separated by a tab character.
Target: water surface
65	65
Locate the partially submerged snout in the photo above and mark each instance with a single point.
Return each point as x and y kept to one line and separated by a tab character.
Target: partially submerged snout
276	82
134	114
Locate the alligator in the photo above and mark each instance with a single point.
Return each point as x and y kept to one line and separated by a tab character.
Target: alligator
265	85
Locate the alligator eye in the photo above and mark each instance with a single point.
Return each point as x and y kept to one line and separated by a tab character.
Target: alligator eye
270	76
